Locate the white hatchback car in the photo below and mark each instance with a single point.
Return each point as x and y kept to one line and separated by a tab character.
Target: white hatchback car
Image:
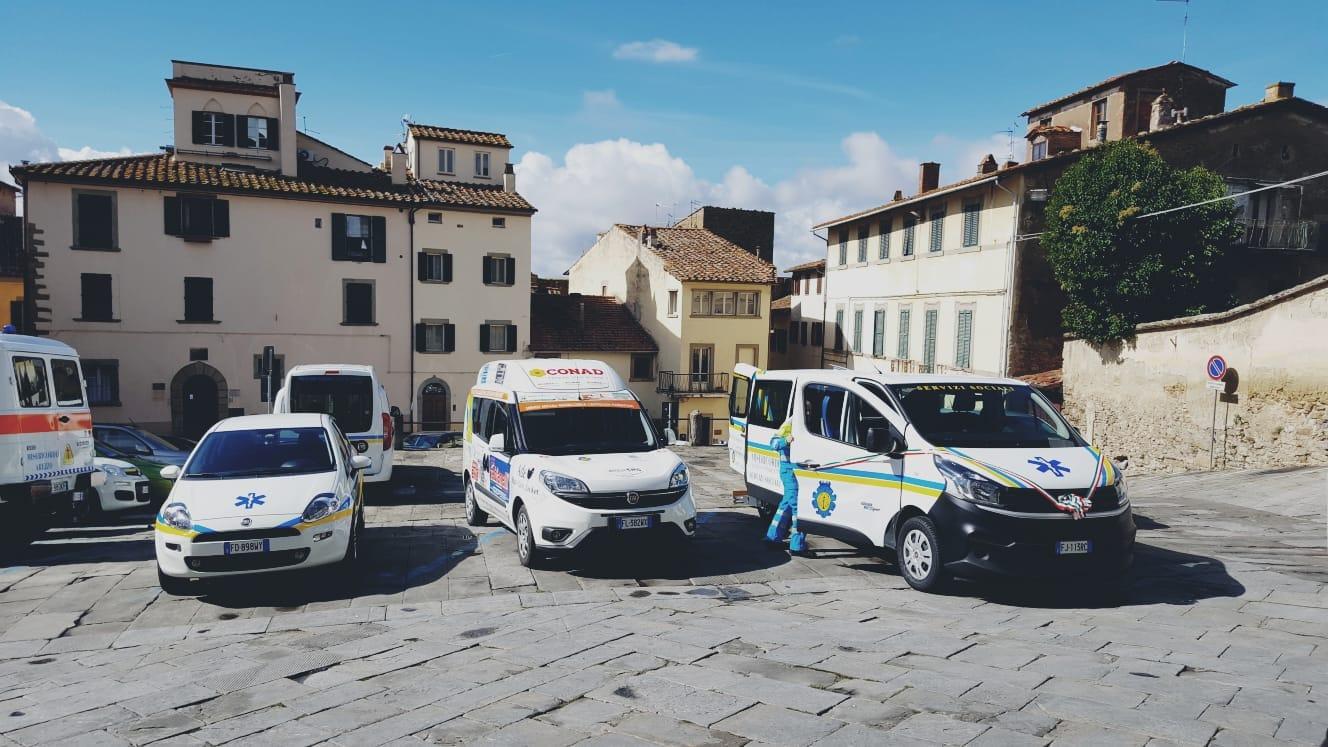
125	486
261	493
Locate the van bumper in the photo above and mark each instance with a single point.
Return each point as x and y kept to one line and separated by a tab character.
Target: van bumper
976	542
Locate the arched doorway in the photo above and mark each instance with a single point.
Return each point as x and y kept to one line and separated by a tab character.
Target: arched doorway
435	406
199	399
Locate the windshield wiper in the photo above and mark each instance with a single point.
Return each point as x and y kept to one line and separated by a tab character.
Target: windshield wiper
202	475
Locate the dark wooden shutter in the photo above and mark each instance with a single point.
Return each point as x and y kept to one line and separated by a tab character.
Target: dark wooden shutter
447	268
511	338
378	238
272	141
421	334
511	270
171	213
422	267
449	338
339	236
221	218
200	128
484	338
227	129
488	270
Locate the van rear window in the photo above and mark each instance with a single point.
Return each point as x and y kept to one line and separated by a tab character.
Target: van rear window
68	382
30	381
348	399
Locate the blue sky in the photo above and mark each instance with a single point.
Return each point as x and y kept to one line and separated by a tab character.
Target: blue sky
807	108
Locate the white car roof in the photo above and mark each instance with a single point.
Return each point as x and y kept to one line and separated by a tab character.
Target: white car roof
31	344
282	420
570	375
841	374
322	368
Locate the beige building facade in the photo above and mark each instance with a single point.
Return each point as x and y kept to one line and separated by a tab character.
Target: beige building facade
704	300
171	272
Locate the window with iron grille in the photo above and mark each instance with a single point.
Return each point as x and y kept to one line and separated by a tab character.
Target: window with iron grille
857	330
902	349
972	210
964	339
937	223
910	231
883	240
863	230
929	340
878	333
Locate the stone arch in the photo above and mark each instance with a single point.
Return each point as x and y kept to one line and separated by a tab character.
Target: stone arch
197	368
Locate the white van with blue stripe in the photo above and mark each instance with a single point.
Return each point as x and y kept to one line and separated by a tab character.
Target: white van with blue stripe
959	475
355	398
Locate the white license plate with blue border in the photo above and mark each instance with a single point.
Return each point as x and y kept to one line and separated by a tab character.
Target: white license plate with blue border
633	522
1074	547
62	484
240	547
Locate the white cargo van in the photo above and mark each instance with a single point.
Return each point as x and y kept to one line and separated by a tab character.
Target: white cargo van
354	397
957	474
46	447
560	450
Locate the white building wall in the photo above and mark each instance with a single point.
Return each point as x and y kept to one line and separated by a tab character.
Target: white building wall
423	154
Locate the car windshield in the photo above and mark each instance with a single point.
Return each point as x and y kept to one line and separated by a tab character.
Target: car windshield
263	452
347	398
156	442
984	416
587	430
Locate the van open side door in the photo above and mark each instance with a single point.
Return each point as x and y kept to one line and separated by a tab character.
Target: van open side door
739	402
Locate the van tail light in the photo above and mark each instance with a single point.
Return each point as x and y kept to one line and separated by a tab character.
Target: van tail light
387	431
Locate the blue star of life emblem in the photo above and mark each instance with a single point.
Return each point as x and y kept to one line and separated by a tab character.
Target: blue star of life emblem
249	501
1053	466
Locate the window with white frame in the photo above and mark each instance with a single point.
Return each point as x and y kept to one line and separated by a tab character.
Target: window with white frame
749	303
482	165
435	336
721	303
447	160
673	303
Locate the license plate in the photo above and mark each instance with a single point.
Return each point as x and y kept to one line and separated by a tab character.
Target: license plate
62	484
1074	547
633	522
244	546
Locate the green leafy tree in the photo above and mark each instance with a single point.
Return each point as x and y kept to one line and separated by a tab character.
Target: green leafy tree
1119	269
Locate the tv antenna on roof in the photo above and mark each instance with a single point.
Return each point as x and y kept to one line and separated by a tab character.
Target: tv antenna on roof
1184	27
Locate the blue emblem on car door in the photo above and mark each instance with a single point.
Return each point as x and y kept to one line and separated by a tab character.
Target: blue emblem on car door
249	501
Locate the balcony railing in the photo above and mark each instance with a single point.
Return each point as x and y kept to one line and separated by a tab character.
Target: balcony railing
682	382
1278	234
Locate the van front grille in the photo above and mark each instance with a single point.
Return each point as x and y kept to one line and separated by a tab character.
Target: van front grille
621	501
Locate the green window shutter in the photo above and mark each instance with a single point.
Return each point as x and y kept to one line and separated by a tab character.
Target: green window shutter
902	351
883	241
878	333
929	340
964	339
971	212
221	218
339	236
378	238
171	213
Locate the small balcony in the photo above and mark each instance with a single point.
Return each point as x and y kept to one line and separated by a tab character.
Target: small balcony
681	383
1297	235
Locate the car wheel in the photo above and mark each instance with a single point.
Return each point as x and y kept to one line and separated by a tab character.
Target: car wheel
176	587
920	554
89	509
475	515
353	542
525	539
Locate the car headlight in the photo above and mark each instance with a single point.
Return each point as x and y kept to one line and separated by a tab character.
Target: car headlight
322	505
112	471
962	482
176	515
679	477
1122	493
559	484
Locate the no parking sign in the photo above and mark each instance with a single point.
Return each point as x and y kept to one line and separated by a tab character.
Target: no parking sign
1217	371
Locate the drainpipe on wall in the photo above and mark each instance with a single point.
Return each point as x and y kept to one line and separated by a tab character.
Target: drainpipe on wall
410	270
1008	301
825	295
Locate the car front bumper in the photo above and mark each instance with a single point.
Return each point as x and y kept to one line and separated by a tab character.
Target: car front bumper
977	542
204	555
554	516
119	493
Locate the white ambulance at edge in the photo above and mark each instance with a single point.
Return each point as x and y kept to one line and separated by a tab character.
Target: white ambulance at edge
559	450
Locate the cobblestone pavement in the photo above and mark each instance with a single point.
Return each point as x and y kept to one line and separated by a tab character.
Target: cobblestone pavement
443	637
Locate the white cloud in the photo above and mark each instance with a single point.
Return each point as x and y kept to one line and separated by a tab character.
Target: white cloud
622	181
87	152
22	140
656	50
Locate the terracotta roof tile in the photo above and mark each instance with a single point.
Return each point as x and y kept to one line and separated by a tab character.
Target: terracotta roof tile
697	254
784	303
453	135
815	264
557	325
164	171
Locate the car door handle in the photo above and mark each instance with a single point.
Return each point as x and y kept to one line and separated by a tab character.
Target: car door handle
64	418
809	465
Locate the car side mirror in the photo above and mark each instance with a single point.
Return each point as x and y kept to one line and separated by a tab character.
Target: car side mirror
498	443
360	461
170	472
884	440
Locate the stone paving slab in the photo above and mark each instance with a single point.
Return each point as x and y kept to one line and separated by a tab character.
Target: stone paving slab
442	638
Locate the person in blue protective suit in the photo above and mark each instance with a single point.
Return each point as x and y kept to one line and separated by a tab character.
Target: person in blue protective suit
786	516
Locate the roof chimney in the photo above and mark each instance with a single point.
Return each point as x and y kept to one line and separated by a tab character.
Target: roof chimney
386	164
988	164
397	159
289	152
929	176
899	195
509	178
1279	90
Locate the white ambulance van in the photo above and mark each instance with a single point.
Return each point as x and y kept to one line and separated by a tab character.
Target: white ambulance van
46	449
354	397
958	475
560	450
